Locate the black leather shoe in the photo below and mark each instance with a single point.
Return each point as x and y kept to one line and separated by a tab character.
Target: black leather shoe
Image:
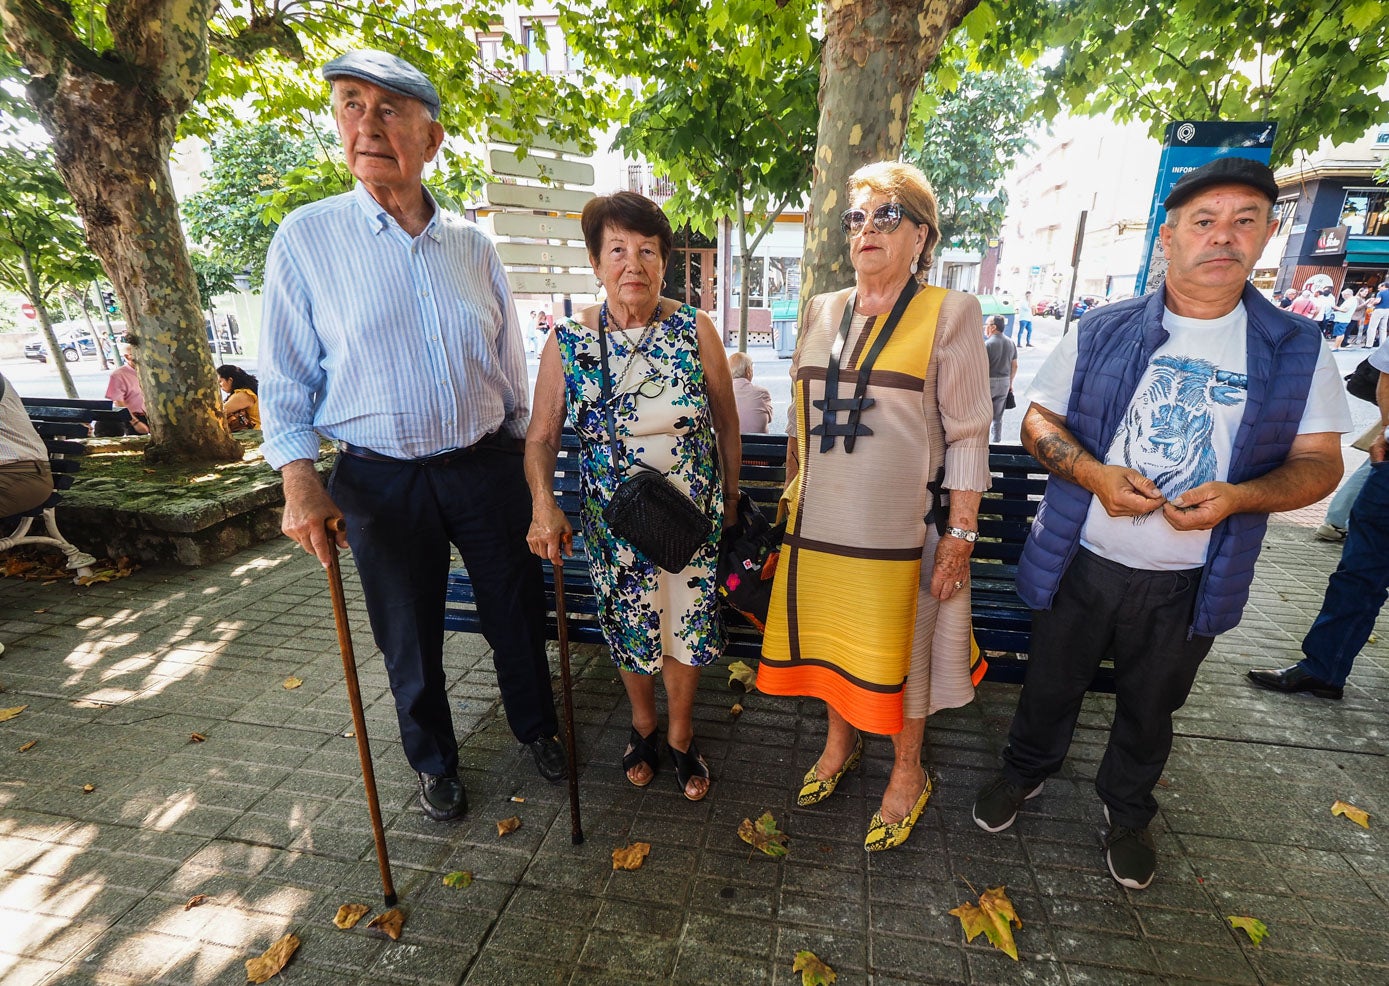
1294	679
443	798
549	758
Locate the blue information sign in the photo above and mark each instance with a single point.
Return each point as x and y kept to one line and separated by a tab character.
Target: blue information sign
1188	146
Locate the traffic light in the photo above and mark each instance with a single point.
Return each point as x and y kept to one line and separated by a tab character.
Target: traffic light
108	298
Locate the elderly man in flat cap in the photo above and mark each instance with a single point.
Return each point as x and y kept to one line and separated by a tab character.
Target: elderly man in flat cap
389	329
1172	426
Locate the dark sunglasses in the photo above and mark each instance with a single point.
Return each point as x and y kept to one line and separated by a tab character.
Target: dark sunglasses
886	218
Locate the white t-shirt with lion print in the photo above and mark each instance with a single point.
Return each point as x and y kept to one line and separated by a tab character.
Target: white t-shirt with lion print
1180	428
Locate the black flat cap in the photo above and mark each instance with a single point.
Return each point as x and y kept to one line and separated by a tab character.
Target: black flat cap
388	72
1223	171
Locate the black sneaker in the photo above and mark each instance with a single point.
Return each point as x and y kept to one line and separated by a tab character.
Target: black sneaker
1131	855
443	798
997	803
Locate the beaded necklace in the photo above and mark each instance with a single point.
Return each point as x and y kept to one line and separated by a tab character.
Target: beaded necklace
635	351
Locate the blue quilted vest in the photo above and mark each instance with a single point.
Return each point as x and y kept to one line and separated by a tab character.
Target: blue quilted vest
1116	342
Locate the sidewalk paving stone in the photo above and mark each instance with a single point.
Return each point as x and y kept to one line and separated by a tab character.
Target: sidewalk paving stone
266	815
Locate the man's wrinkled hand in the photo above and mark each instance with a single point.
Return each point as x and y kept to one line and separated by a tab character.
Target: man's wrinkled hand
308	508
1125	492
1202	507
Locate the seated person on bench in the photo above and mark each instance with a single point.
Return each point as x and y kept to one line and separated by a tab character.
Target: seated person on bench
25	479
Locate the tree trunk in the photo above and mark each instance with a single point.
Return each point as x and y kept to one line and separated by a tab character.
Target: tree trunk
875	55
55	352
113	119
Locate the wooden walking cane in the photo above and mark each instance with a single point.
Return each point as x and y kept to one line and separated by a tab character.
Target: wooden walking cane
567	690
354	697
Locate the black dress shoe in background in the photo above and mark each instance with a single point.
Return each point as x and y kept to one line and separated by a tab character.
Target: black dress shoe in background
1294	679
443	798
549	758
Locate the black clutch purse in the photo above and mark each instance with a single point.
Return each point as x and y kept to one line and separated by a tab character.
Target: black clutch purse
647	510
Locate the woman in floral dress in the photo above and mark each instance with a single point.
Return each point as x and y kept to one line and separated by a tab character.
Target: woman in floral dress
673	411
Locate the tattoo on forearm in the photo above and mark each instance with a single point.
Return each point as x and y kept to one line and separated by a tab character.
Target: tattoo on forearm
1058	455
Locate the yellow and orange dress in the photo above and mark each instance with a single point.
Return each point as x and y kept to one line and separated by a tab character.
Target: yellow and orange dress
852	620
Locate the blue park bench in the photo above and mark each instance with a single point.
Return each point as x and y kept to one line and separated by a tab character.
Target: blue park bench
1002	623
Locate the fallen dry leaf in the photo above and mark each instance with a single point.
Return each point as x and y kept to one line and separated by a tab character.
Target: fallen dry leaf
764	835
11	713
995	917
391	922
88	788
1359	816
631	857
293	682
508	825
349	914
265	966
1253	927
194	901
197	738
459	879
813	971
28	746
740	674
737	709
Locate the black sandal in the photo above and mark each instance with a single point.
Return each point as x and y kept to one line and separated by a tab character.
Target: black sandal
688	766
641	749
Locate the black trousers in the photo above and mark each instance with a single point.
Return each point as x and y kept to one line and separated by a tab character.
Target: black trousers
1140	619
401	518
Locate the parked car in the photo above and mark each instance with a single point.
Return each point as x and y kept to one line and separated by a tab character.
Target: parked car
73	349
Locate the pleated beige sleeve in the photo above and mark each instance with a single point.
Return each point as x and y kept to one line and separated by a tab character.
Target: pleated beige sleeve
962	392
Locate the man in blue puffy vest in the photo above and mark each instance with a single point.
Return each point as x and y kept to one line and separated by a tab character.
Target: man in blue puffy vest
1172	425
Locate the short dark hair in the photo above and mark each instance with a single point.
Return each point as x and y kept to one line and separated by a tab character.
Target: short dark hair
625	211
998	322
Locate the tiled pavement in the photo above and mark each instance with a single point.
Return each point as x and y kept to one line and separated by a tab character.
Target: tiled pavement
266	816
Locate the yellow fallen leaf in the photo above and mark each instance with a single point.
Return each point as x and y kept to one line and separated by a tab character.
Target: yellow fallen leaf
28	746
194	901
459	879
391	922
1253	927
994	916
508	825
267	965
763	834
88	788
813	971
631	857
11	713
197	738
349	914
737	709
1359	816
740	674
292	682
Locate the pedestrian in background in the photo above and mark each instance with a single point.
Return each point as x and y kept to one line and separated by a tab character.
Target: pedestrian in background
1025	320
1172	425
1379	315
1003	367
1357	590
123	391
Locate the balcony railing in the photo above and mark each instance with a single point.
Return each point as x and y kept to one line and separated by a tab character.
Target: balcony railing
643	181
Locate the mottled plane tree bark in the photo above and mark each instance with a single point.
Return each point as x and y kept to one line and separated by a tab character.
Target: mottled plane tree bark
113	116
875	54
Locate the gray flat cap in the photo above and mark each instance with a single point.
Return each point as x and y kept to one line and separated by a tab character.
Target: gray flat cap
387	71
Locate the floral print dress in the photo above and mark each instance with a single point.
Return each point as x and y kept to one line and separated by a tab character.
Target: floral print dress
662	415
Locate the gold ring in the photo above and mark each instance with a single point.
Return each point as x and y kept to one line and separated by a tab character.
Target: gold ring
959	584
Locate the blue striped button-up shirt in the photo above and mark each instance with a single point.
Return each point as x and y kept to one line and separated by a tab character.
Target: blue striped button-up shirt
404	346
